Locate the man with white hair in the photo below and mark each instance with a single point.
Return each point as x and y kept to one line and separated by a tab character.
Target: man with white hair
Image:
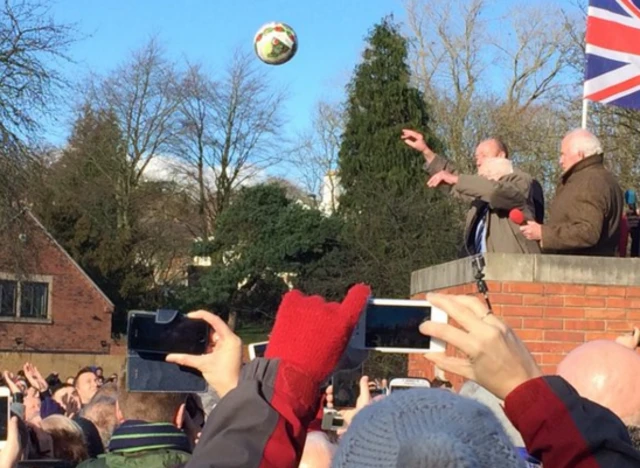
585	215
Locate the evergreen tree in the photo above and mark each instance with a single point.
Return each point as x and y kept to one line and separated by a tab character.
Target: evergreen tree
395	224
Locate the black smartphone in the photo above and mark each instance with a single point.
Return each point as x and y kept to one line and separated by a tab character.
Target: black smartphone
346	387
181	335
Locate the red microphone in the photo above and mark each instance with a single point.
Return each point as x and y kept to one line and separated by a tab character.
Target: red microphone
517	217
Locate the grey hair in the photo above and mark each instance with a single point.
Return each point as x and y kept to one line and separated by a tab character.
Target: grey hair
583	141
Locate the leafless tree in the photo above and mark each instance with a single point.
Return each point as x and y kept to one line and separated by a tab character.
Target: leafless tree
229	131
32	46
315	154
509	84
142	94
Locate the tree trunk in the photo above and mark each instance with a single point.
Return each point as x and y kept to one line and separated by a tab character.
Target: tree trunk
233	319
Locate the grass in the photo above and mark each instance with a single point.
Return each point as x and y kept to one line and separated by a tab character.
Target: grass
253	333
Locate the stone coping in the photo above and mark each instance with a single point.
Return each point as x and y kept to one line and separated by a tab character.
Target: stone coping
602	271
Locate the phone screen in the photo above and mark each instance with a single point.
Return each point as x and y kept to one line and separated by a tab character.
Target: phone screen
396	326
346	387
405	387
182	335
259	350
4	416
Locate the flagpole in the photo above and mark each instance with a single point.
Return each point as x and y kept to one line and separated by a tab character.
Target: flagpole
585	113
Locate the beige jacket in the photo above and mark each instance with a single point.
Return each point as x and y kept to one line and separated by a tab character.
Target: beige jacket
509	192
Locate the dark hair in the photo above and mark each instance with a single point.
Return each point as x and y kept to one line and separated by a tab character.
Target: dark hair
84	370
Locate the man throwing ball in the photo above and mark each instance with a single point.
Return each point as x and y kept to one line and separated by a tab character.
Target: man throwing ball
493	193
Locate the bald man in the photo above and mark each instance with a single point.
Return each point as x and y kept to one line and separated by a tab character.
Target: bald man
493	193
607	373
585	214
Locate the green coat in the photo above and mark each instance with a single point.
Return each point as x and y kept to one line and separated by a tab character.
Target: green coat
511	191
147	459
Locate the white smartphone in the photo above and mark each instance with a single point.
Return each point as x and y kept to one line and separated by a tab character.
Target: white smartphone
392	326
332	420
5	414
257	350
408	384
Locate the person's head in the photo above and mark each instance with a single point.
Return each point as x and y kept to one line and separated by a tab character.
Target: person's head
576	146
318	451
149	406
99	372
495	168
474	391
605	372
67	397
102	412
490	148
426	428
87	384
68	440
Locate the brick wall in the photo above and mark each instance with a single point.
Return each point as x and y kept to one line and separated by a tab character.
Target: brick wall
80	315
553	318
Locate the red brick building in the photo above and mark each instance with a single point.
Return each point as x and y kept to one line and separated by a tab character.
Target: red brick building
47	302
554	303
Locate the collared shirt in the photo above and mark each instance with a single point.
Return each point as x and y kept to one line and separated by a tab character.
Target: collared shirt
480	235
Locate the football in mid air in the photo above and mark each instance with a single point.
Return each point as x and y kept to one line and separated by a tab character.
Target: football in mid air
275	43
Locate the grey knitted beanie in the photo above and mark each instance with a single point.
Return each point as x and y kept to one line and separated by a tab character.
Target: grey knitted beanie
426	428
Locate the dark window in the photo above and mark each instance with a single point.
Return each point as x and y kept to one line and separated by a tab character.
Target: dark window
8	298
33	300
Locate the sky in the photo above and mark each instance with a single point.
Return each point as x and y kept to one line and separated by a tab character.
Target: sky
331	34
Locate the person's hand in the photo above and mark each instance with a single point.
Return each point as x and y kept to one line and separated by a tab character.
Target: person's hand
364	399
35	378
10	454
416	141
442	177
496	358
9	380
221	365
312	334
328	402
532	231
631	340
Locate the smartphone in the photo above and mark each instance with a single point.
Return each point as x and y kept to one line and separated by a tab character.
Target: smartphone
346	387
257	350
332	420
182	335
5	414
408	384
392	326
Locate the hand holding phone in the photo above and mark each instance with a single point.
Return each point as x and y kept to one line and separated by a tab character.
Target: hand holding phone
5	413
10	448
220	365
393	326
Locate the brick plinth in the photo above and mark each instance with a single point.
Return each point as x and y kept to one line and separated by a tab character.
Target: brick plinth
552	318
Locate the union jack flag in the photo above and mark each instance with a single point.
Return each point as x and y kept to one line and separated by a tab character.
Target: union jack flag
613	53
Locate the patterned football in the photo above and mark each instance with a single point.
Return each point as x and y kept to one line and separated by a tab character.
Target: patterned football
275	43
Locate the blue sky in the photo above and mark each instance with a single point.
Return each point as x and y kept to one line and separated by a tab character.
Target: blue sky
331	36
